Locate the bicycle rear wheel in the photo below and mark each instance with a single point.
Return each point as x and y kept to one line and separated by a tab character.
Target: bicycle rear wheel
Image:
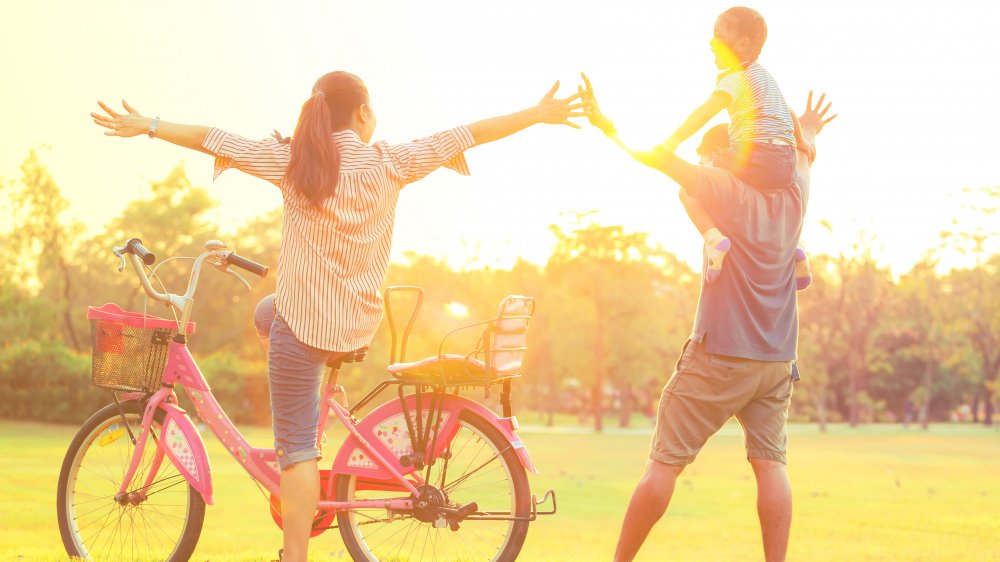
164	525
481	467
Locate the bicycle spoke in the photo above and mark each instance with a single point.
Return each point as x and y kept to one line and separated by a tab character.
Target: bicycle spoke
150	529
474	470
466	475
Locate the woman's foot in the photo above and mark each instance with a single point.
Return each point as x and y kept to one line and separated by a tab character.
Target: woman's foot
716	247
803	271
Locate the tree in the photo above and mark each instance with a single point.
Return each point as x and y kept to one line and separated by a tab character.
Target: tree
171	223
620	283
977	234
40	243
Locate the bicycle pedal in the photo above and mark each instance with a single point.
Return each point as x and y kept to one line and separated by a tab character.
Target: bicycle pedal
412	459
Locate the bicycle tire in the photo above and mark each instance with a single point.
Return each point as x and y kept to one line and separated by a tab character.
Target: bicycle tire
104	429
356	540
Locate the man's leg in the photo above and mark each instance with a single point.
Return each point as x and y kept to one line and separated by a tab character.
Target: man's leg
764	422
699	398
774	507
649	502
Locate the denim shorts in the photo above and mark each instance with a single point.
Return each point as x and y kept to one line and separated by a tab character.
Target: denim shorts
295	376
766	167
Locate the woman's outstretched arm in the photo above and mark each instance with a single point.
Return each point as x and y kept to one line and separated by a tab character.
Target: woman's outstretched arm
132	123
549	110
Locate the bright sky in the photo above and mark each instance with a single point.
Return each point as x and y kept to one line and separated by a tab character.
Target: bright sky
915	85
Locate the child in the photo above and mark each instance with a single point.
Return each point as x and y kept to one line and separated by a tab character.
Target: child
762	137
716	140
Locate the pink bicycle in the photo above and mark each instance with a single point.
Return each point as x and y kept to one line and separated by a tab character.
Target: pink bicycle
429	475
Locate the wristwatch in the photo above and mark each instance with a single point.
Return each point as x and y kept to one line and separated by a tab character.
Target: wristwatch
152	127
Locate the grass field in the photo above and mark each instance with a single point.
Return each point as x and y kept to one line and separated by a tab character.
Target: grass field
874	493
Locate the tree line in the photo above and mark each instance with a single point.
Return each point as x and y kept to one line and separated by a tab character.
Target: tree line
613	310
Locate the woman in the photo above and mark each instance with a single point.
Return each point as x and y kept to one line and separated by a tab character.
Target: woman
339	195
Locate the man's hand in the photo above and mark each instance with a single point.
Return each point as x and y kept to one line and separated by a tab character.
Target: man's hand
592	110
813	117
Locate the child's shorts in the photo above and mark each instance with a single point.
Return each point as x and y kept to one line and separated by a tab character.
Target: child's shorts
764	166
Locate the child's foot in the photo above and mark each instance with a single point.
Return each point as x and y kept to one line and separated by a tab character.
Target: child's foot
803	271
716	246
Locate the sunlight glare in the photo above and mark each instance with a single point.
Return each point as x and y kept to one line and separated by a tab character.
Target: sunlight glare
457	310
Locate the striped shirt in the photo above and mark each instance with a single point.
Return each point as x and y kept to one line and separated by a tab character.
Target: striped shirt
334	256
758	111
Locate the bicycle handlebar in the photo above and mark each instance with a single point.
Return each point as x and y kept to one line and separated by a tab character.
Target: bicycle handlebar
134	246
241	262
133	251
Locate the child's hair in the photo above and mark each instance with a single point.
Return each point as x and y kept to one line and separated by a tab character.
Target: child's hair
750	24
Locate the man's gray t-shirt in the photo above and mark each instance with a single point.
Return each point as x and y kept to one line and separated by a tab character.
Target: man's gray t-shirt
749	311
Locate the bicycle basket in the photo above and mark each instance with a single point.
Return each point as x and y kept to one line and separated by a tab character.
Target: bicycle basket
129	348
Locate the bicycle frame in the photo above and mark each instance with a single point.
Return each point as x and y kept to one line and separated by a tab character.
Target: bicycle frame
377	461
182	444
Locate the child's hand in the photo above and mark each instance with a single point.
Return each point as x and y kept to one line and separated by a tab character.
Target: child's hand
593	111
280	138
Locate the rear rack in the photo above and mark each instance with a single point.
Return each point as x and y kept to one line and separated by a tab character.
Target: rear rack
506	515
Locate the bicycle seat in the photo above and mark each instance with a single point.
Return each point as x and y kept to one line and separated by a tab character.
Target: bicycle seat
454	368
356	356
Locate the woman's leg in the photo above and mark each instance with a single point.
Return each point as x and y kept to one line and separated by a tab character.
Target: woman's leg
263	317
295	374
299	495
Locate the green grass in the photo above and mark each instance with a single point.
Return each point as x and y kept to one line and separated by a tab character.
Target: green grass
873	493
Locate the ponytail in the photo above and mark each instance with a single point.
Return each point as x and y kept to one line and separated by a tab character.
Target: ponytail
314	165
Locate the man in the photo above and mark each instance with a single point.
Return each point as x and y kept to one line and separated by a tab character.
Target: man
739	359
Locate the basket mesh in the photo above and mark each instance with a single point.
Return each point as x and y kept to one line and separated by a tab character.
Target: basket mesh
128	358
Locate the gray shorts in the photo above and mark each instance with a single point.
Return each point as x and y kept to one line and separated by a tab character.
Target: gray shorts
295	376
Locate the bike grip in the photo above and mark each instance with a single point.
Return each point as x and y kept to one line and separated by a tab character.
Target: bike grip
249	265
134	246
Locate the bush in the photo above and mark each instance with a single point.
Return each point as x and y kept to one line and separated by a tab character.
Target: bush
239	385
46	381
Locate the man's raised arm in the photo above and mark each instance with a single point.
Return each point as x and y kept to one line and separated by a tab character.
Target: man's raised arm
812	121
660	158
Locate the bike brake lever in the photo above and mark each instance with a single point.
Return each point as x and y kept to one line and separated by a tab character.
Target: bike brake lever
239	277
118	251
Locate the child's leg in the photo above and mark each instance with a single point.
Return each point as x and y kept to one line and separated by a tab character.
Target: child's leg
716	243
803	271
697	212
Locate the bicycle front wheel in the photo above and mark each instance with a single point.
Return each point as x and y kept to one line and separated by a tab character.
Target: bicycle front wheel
163	524
479	465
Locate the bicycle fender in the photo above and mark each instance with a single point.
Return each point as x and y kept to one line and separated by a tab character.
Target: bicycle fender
508	427
183	445
384	431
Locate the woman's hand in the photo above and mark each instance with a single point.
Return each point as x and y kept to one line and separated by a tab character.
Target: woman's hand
592	110
559	111
126	125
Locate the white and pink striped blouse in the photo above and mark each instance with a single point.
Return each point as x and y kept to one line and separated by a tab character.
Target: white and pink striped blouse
334	256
